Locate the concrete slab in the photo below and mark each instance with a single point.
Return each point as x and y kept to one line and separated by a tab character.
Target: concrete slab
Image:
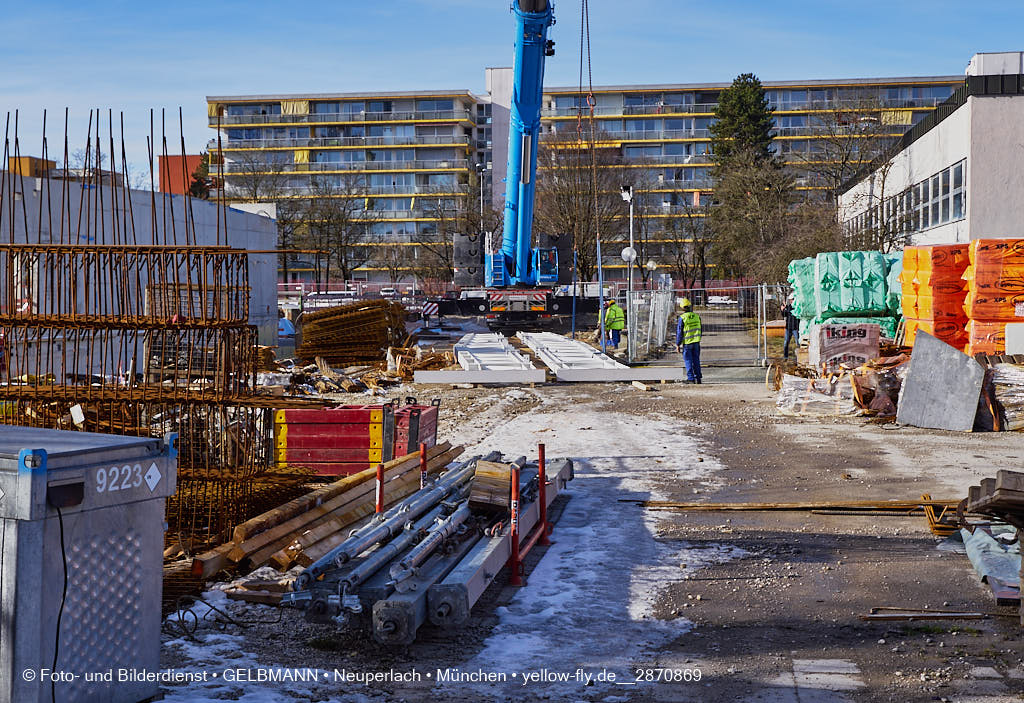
942	387
637	373
499	376
824	666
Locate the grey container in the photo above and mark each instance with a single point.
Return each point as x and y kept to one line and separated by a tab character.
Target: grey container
111	492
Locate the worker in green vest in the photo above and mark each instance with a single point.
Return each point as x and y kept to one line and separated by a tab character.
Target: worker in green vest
614	321
688	335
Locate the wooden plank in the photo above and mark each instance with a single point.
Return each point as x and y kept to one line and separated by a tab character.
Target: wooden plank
209	563
641	386
262	597
272	585
303	503
261	540
491	485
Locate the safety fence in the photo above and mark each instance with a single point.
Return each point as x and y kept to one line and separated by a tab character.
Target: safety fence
650	314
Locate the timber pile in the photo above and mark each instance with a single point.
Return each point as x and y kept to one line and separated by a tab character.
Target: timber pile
303	529
402	363
490	489
1001	497
353	332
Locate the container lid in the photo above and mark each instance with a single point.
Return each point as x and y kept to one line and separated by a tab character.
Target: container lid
64	443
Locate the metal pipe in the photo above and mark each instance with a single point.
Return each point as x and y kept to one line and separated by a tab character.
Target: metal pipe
390	523
376	561
436	535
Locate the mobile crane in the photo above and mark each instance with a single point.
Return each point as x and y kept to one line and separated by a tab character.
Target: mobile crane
519	279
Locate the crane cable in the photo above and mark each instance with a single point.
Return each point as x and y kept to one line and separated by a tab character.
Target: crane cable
591	102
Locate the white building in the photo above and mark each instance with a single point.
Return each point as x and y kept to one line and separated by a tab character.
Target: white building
958	174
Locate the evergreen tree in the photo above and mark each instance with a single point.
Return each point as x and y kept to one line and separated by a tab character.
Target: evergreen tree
743	121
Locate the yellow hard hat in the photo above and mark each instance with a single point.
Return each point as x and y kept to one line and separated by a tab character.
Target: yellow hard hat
684	303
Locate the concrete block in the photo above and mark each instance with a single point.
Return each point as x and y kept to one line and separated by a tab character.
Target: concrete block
942	387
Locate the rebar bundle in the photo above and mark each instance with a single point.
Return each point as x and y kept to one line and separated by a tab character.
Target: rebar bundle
138	325
354	332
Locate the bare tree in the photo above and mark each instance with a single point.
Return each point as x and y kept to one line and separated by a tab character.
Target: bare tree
688	241
885	224
844	138
255	176
338	221
565	200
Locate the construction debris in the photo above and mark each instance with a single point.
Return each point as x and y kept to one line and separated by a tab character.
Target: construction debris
353	332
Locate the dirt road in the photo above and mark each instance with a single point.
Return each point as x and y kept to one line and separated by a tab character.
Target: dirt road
764	606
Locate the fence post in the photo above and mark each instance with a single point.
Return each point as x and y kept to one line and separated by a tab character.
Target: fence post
514	562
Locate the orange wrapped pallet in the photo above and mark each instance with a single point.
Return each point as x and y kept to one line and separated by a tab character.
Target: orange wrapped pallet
989	253
984	337
942	261
950	331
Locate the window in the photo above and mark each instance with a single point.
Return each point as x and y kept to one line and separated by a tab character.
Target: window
325	108
435	105
379	106
958	191
675	149
255	109
352	107
678	124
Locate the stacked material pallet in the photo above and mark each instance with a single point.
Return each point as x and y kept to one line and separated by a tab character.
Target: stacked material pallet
995	293
933	292
351	438
844	287
354	332
307	527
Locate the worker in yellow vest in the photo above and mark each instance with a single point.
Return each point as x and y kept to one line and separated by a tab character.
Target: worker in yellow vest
614	321
688	335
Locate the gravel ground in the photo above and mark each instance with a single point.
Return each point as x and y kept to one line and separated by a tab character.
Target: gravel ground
785	599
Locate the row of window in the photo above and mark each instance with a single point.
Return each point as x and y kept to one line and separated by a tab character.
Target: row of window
778	98
671	149
342	131
936	200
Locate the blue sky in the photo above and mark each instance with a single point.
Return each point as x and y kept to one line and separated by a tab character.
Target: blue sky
133	56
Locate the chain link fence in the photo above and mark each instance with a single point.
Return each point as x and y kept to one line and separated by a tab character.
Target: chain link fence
650	314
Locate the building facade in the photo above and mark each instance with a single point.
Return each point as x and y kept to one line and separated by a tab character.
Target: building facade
417	154
958	174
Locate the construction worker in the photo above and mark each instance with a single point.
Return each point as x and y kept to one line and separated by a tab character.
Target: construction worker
688	334
614	321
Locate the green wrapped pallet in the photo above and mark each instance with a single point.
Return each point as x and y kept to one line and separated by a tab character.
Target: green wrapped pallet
801	279
894	289
862	282
827	295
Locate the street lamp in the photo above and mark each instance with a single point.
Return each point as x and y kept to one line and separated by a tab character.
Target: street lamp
627	195
651	267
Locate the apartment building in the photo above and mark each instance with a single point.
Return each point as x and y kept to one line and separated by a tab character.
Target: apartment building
415	153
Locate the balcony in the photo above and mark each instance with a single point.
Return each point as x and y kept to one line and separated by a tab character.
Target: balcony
709	108
318	142
660	135
674	160
619	111
365	190
446	165
460	114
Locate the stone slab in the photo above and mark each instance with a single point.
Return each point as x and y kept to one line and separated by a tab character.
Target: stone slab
942	387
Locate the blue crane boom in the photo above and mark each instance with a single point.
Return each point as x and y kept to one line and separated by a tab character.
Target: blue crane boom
517	263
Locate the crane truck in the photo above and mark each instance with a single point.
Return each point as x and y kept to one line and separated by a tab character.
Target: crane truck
519	280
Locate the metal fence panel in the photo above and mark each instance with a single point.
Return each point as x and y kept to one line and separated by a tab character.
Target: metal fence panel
650	314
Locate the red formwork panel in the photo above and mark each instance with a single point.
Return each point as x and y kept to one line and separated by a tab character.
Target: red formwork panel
346	414
415	424
334	454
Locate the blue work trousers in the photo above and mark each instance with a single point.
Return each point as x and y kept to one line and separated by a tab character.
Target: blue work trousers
691	357
616	336
790	335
